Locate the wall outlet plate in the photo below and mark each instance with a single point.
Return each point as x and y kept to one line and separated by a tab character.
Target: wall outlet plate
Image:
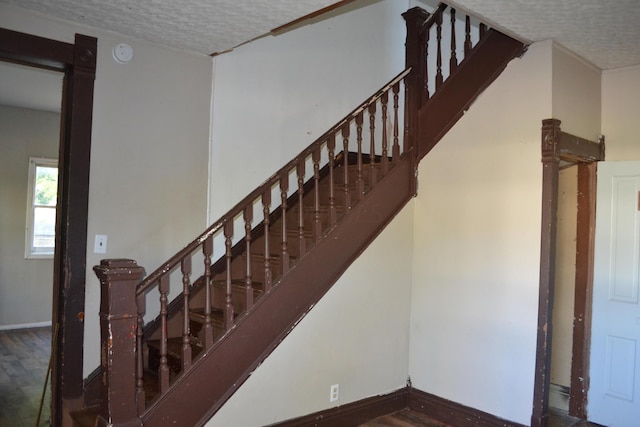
334	392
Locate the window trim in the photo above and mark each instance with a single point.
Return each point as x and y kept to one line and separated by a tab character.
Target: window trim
29	252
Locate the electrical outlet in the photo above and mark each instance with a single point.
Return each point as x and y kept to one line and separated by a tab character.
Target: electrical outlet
334	392
100	246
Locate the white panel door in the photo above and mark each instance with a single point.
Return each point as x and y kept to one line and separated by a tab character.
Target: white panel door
614	393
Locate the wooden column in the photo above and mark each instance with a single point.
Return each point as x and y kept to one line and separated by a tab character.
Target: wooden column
118	323
550	174
416	90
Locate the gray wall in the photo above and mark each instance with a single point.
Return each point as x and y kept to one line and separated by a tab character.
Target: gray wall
25	284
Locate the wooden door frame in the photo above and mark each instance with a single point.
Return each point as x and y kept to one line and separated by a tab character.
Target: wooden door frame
557	147
78	63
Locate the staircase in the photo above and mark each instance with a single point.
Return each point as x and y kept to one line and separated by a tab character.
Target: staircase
261	267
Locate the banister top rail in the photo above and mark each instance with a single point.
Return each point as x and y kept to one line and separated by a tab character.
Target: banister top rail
433	17
146	284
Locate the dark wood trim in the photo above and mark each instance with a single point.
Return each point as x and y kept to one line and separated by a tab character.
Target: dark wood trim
273	317
453	413
585	247
293	24
78	62
549	223
575	149
353	414
557	146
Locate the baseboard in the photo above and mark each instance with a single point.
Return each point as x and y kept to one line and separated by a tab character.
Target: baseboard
452	413
559	397
25	326
434	407
352	414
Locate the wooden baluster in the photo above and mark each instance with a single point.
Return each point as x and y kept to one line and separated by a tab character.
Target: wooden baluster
384	99
300	171
372	145
483	30
228	305
317	224
331	145
284	189
345	154
467	36
140	394
395	150
426	95
207	251
248	281
360	180
439	77
163	369
185	268
453	62
266	203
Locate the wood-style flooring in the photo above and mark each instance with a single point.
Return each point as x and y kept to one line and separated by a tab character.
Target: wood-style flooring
24	359
403	418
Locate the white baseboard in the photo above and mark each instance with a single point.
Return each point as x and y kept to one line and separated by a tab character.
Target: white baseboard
559	397
25	326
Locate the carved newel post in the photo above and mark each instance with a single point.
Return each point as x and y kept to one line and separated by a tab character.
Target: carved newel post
118	322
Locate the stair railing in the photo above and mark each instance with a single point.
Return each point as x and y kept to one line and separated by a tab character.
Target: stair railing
350	155
392	135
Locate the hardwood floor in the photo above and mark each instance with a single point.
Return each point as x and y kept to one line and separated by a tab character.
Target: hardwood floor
403	418
24	358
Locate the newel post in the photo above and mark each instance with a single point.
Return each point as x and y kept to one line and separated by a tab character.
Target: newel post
118	322
416	91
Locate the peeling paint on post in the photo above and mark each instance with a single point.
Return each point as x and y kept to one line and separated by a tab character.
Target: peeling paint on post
118	322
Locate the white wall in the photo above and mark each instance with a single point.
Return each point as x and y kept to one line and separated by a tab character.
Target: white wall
357	336
276	95
148	183
477	248
25	284
620	104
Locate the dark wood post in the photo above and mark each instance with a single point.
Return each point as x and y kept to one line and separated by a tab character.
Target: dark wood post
118	323
416	90
550	175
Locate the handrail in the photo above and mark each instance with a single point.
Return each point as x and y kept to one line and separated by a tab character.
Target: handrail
146	284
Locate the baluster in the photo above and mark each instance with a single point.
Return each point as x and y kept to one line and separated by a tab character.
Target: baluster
300	171
395	151
345	154
207	251
384	99
284	189
185	268
140	395
427	95
317	225
248	282
163	369
372	148
483	30
439	77
228	306
453	62
360	180
467	36
331	145
266	203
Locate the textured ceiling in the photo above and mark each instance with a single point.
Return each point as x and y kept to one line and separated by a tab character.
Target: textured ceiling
604	32
203	26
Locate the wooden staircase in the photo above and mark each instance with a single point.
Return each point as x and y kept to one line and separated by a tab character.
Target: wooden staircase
273	264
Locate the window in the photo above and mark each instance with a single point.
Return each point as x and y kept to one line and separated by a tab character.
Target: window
41	208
